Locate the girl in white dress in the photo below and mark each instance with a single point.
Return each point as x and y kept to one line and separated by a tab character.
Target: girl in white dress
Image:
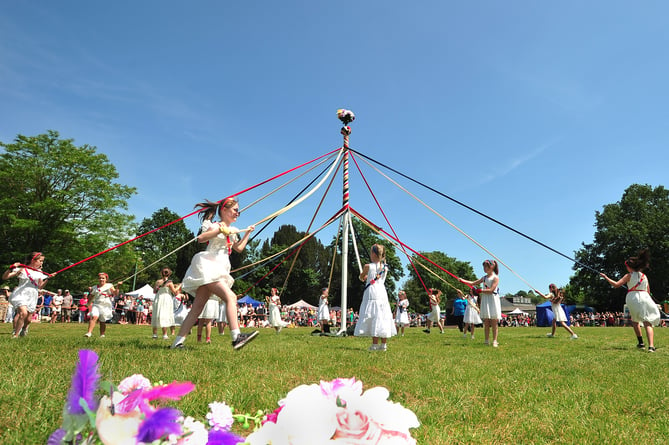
163	303
375	316
23	299
491	308
434	317
556	296
274	305
209	271
401	313
101	304
207	316
471	318
324	310
639	302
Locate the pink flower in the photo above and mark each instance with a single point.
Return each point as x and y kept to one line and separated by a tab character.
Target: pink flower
356	425
355	428
135	381
273	416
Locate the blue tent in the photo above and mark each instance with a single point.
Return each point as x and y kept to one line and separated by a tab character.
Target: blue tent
248	300
545	314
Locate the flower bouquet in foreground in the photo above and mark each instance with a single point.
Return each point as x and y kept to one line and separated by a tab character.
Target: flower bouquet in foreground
336	412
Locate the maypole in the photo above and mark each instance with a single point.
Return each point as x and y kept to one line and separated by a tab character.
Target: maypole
346	116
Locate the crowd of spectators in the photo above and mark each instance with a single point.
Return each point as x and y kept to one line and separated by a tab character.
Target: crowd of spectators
63	307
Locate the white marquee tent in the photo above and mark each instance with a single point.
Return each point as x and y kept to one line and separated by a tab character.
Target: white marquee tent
145	292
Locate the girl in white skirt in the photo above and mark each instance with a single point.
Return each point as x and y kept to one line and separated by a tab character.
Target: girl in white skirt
207	316
641	306
274	306
491	308
401	313
163	303
375	316
24	298
324	311
434	317
209	271
556	296
471	318
101	304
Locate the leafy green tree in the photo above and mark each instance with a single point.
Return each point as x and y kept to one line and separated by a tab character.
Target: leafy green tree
640	219
172	246
63	200
417	282
303	271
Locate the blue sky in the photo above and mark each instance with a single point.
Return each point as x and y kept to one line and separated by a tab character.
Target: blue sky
535	113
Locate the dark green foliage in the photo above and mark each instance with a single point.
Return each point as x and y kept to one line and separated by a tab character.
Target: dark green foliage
639	220
61	199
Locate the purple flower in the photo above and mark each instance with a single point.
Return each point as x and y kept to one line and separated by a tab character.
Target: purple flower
220	437
56	437
159	425
84	383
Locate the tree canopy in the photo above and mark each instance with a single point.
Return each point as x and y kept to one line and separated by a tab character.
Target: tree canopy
63	200
639	220
164	245
437	279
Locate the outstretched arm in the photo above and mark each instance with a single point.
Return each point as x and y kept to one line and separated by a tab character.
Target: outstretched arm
618	283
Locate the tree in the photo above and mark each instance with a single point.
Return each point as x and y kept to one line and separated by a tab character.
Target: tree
417	282
63	200
640	219
174	244
305	267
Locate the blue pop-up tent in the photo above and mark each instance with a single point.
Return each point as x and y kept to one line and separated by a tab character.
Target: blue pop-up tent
545	314
248	300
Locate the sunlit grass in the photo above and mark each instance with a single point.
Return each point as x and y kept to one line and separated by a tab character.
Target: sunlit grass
532	389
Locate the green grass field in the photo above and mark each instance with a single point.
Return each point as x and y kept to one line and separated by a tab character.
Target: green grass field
531	390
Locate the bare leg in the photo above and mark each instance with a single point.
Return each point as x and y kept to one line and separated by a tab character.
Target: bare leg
486	329
495	330
650	334
554	328
91	325
564	325
20	318
103	328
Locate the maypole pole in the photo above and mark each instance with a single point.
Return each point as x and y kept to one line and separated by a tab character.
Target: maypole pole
346	116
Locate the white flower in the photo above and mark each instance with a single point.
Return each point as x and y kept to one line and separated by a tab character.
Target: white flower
220	416
135	381
308	417
195	433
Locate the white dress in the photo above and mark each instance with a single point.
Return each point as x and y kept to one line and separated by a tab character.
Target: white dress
210	309
375	316
103	307
641	306
180	311
213	264
471	314
323	309
26	293
559	314
275	320
491	308
401	315
222	312
163	308
435	311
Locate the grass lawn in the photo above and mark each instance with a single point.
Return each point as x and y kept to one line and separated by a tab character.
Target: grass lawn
530	390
